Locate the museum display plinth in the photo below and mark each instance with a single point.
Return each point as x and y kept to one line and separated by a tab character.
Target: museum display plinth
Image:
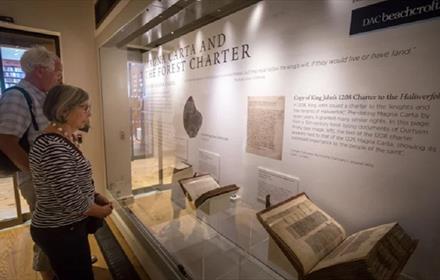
220	203
222	239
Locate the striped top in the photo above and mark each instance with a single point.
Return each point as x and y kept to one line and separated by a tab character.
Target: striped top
62	179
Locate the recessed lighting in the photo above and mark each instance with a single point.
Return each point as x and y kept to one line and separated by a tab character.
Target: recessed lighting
172	32
219	10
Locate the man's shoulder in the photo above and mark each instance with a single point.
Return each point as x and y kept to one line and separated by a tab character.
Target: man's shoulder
13	105
11	95
37	95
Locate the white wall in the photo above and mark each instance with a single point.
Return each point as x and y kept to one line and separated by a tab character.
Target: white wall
75	21
360	188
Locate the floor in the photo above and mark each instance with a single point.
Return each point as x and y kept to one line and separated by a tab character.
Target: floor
16	255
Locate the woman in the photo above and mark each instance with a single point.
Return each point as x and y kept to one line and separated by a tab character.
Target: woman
63	185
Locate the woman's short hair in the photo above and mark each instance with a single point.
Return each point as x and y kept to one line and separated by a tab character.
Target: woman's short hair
37	56
61	100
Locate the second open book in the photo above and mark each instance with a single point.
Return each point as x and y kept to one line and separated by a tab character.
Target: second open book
203	187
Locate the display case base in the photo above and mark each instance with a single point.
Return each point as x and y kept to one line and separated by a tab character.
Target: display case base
216	204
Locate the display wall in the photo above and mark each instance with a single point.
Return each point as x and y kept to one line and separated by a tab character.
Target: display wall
279	98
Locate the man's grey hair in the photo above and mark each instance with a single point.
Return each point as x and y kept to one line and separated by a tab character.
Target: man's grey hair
38	56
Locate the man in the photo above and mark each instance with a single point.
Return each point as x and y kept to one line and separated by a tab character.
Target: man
42	70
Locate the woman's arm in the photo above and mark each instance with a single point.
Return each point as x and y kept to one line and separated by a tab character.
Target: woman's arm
98	211
100	208
100	199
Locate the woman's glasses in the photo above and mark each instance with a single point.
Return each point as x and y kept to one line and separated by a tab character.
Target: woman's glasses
86	107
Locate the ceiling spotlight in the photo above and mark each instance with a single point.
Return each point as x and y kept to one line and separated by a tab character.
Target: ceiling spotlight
219	10
172	32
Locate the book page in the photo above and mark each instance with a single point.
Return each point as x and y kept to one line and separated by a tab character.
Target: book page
308	233
197	186
356	246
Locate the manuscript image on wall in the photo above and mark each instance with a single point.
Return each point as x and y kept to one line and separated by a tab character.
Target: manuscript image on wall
265	125
318	248
203	187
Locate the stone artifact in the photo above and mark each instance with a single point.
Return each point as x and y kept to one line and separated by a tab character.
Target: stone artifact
192	118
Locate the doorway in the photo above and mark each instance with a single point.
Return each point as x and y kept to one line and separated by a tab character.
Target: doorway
14	41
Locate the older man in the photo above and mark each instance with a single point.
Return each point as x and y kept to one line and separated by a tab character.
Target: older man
43	70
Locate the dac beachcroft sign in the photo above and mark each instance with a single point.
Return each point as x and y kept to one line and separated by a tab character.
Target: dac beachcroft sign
391	13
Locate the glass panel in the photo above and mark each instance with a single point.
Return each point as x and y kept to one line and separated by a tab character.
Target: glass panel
8	208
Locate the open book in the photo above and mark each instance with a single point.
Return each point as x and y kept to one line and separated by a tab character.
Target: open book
318	248
200	188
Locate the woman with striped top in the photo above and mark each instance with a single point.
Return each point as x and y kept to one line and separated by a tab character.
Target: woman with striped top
64	187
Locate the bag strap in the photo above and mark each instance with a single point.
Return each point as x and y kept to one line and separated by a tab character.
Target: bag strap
29	103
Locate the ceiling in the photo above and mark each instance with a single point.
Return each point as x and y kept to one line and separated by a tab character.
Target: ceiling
165	20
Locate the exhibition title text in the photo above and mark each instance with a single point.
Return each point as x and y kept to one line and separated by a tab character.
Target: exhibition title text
209	52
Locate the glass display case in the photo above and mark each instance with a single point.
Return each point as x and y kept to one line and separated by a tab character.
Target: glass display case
159	127
222	239
262	95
